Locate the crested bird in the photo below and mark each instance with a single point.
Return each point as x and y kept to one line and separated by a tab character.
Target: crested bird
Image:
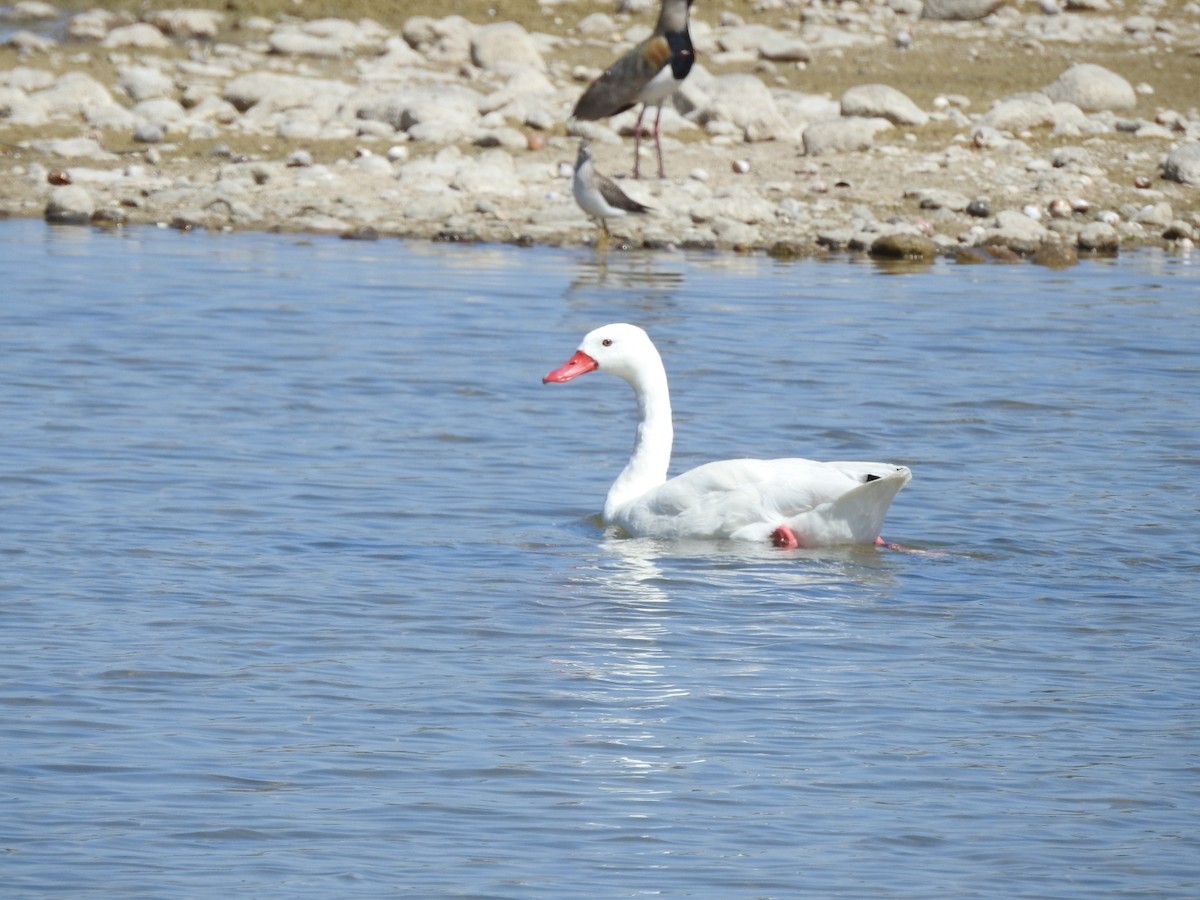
598	195
788	502
648	74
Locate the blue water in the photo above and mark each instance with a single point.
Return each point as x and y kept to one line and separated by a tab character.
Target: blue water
302	593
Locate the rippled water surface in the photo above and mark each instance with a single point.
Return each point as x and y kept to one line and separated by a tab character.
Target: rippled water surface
302	592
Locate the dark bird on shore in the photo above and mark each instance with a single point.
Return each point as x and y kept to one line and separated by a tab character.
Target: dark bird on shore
648	74
598	195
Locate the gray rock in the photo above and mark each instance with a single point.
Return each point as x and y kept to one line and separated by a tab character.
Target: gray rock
903	245
1179	230
1183	163
1098	237
1091	88
842	135
1158	215
882	101
959	10
1017	231
505	47
70	205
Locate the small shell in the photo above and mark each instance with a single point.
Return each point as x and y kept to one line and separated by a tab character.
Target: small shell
1059	208
535	141
741	166
59	176
1142	182
1080	205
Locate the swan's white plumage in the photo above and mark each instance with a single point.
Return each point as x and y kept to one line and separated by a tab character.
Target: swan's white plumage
822	503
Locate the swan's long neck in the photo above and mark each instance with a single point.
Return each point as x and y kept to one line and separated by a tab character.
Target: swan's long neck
647	466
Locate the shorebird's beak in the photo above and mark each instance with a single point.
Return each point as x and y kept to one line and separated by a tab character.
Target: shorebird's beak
579	364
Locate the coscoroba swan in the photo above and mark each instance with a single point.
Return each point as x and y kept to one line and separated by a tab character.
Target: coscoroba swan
790	502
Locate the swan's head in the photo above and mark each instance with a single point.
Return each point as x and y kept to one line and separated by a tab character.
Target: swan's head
620	349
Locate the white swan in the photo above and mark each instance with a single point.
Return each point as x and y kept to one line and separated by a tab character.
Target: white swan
790	502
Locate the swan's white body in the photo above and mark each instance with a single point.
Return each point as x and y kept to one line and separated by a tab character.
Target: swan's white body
788	501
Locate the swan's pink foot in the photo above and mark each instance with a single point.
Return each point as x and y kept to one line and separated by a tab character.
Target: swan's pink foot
784	538
888	545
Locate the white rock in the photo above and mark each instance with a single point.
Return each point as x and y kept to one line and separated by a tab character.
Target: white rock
1013	228
34	9
445	41
882	101
187	23
1018	113
411	105
493	174
505	47
744	101
843	135
160	109
72	93
140	35
144	82
597	24
26	79
1092	87
289	40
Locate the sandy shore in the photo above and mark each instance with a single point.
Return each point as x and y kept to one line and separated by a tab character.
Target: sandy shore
1035	131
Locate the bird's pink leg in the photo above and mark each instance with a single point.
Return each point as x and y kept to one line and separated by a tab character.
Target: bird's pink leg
637	142
784	538
658	141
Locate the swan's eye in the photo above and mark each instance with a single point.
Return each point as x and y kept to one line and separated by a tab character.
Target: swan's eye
607	342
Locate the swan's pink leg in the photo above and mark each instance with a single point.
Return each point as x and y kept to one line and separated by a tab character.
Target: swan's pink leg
784	538
880	542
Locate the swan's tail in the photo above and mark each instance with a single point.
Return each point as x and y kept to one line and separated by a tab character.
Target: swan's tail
863	508
856	517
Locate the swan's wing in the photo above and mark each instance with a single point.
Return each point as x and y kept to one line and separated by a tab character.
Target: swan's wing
720	498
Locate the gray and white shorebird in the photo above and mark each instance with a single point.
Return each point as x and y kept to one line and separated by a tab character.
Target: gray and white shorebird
648	74
598	195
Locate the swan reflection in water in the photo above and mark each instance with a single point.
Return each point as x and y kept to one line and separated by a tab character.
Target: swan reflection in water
656	632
